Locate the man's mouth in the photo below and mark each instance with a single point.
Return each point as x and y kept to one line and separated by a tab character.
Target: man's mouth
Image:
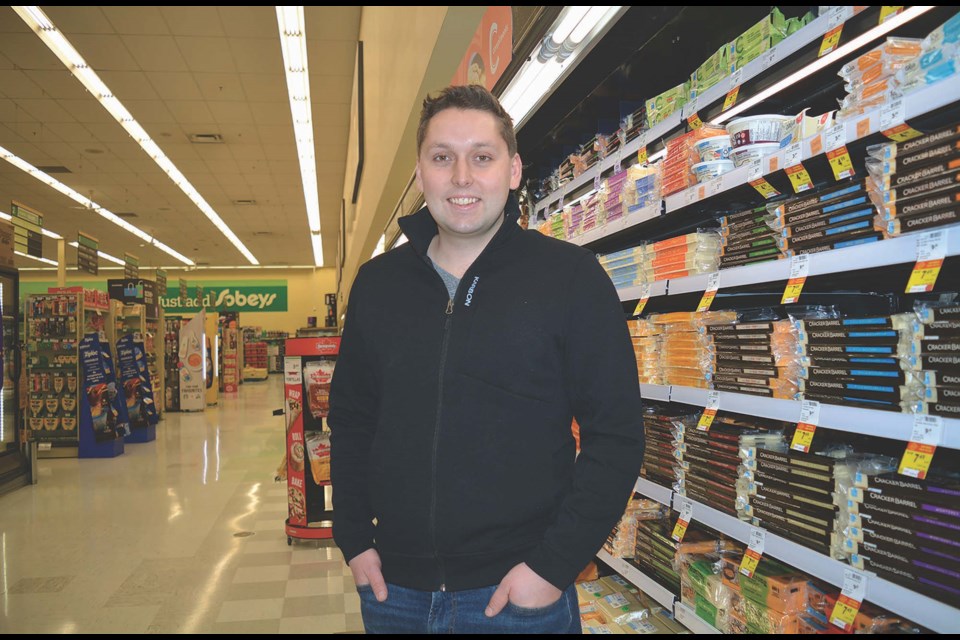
462	201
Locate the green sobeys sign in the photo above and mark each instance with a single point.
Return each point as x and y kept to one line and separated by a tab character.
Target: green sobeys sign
230	295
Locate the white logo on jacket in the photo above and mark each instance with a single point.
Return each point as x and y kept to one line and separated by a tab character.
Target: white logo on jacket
470	291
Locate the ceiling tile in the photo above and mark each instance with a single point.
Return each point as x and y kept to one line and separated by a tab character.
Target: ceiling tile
249	22
207	55
333	23
175	86
16	84
220	87
226	113
265	87
60	84
108	133
129	85
74	132
46	111
150	113
27	51
193	112
192	20
139	21
88	111
103	52
156	53
332	57
258	55
330	88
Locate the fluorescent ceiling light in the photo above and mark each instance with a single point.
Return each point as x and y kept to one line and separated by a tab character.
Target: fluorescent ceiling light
68	55
46	260
23	165
293	44
861	40
105	256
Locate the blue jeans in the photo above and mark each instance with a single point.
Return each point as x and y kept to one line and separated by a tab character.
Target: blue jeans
420	612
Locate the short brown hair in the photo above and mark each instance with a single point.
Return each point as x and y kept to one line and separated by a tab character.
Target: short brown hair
471	96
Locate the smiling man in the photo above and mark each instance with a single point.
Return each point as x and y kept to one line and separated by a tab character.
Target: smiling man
460	503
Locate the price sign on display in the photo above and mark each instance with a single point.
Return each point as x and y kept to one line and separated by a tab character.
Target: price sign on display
714	186
809	420
751	557
768	59
931	251
926	437
690	196
851	596
689	109
799	269
694	121
840	163
756	170
642	302
764	188
888	12
597	180
735	81
830	40
836	137
793	155
701	192
774	163
892	114
710	411
902	133
618	164
642	155
713	284
686	516
799	178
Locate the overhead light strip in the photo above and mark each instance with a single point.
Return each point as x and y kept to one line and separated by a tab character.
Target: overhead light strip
105	256
293	44
68	55
861	40
45	260
23	165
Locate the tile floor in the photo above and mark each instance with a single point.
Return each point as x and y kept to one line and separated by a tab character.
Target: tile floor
146	542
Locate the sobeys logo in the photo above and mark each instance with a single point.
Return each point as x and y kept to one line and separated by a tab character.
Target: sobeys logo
262	296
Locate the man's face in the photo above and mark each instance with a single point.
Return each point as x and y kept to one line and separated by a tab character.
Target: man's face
466	173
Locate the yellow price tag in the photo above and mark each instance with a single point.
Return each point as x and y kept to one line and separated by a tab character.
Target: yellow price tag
916	460
679	531
731	98
844	612
686	517
642	155
830	41
642	302
902	133
694	121
706	419
792	293
799	178
924	276
749	562
803	437
840	163
888	12
764	188
706	301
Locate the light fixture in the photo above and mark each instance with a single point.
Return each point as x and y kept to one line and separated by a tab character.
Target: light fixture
23	165
293	45
557	57
38	21
44	260
380	246
105	256
841	52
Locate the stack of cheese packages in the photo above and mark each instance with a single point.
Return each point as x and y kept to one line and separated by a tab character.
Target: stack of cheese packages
613	605
871	80
682	155
642	186
611	198
664	428
758	357
747	237
687	255
646	347
686	350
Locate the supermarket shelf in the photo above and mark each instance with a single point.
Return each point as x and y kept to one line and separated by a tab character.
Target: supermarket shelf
652	490
655	392
639	579
658	288
686	616
882	424
902	249
631	219
754	68
939	617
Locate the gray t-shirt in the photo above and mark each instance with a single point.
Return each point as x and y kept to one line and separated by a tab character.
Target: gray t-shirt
449	279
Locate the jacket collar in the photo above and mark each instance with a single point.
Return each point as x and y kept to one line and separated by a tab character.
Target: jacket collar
420	227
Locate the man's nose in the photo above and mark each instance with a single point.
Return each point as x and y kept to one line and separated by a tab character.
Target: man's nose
461	172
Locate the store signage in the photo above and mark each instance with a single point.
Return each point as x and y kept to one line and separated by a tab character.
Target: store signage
183	291
490	50
243	295
131	266
161	282
931	252
851	596
807	426
927	435
88	256
27	230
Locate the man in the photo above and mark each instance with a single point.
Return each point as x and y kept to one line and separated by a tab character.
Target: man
460	504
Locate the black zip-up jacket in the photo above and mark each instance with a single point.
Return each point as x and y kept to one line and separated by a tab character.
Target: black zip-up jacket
451	420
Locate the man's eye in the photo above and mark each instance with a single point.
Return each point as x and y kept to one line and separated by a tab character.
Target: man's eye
440	157
484	158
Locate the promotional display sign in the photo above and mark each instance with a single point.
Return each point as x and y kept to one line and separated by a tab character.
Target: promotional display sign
131	265
296	449
211	371
192	389
231	353
135	290
161	282
490	50
235	295
27	230
135	380
103	416
88	256
6	245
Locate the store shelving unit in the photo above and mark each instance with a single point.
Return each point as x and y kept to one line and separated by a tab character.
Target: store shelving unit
132	319
171	370
646	584
688	618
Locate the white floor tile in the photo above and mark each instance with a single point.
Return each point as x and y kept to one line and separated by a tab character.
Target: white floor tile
239	610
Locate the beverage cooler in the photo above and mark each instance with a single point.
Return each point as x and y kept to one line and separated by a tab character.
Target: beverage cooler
14	463
308	370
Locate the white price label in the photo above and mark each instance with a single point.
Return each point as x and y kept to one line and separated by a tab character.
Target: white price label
836	137
713	401
756	169
810	412
643	139
597	180
758	539
44	446
292	372
927	430
736	79
793	155
892	115
686	510
690	196
137	337
800	266
714	186
838	16
618	164
768	59
854	585
932	246
690	108
713	284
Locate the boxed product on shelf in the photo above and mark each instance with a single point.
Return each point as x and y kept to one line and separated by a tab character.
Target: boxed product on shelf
642	186
710	72
766	33
682	156
662	105
622	541
871	80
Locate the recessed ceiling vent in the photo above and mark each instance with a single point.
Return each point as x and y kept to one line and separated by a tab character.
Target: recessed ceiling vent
126	214
206	138
244	203
54	169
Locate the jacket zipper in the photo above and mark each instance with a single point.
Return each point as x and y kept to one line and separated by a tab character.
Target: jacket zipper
445	341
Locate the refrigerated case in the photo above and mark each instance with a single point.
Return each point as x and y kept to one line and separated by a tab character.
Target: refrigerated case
308	369
14	463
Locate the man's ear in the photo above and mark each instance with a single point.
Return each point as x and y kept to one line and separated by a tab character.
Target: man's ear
516	171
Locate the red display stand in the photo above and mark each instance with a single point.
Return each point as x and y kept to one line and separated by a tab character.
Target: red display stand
308	368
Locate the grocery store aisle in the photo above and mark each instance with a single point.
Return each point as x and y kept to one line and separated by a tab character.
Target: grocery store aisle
181	535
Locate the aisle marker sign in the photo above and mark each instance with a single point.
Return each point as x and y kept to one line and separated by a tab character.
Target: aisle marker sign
642	302
713	284
686	516
751	557
848	604
830	41
131	266
931	251
926	437
735	81
837	152
799	270
809	420
710	411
